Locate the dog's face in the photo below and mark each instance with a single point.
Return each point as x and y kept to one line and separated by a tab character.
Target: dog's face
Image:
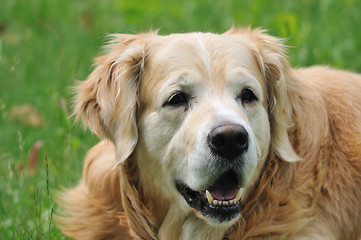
196	111
205	120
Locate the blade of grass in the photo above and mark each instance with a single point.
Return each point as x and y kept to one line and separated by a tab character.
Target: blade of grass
155	234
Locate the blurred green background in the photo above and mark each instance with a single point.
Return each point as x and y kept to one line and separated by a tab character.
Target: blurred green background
45	46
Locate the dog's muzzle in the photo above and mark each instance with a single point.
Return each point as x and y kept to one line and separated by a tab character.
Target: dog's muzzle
221	201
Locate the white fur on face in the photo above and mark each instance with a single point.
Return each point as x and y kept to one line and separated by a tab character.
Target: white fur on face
203	53
173	140
199	173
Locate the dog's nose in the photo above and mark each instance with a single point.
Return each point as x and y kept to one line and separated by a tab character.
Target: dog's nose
228	140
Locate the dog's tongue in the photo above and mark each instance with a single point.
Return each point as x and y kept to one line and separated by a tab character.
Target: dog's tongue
225	188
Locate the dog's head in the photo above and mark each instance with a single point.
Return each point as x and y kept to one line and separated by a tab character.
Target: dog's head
199	112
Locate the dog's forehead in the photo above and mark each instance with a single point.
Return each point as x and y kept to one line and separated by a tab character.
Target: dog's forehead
208	58
205	52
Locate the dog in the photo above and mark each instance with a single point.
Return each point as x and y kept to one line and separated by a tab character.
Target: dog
215	136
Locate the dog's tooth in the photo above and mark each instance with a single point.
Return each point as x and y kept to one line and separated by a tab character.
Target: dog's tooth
238	196
209	197
216	202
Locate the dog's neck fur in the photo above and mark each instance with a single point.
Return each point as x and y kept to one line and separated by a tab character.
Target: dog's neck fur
188	226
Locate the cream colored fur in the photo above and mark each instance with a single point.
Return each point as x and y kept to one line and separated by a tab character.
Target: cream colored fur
303	163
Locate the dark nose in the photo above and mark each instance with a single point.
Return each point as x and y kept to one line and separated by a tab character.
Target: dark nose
228	140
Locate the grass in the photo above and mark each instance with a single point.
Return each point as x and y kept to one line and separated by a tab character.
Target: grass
46	45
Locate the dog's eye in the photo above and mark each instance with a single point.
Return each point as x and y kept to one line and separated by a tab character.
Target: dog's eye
177	99
247	96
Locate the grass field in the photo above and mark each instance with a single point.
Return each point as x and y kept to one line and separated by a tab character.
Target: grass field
45	46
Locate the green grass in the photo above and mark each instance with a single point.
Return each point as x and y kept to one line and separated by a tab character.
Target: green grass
46	45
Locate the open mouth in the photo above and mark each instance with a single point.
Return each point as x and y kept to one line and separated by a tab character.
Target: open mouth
221	201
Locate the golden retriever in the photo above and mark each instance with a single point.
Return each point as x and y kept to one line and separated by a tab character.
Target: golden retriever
210	136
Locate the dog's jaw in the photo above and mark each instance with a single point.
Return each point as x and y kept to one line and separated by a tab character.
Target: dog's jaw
182	223
219	203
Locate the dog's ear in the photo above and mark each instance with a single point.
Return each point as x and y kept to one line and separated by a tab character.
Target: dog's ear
277	73
269	53
107	101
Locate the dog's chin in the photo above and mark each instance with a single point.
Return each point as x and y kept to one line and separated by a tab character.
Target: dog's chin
220	204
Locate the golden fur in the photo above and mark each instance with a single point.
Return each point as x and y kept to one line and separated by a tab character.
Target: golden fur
306	187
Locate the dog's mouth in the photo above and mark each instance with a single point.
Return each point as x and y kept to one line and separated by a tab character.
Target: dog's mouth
220	202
